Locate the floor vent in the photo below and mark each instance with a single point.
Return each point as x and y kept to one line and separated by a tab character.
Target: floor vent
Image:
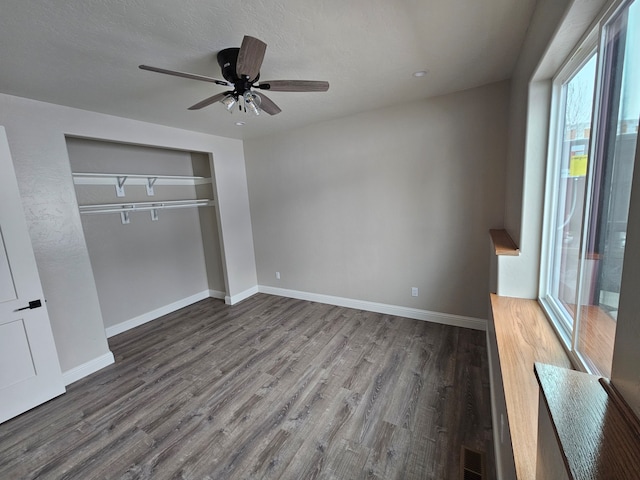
472	464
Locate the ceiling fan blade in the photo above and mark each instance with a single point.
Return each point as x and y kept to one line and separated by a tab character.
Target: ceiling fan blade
193	76
250	57
294	86
268	106
208	101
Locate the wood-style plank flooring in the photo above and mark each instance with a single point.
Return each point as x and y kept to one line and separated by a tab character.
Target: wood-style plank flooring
269	388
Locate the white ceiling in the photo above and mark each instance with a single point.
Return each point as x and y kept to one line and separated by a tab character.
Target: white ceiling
85	54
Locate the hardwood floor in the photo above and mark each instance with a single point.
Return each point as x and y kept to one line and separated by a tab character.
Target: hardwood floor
269	388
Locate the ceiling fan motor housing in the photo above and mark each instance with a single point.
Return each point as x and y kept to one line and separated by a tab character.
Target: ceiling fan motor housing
227	59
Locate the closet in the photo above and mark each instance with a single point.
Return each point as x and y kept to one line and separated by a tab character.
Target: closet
151	228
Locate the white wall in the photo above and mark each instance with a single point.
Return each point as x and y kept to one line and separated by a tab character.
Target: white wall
528	120
36	133
368	206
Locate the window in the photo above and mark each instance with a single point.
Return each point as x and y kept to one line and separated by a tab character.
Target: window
589	187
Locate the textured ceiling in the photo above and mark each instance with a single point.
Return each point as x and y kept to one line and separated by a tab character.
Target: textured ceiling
85	54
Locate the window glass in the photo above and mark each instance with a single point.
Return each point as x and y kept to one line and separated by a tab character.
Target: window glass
613	170
571	188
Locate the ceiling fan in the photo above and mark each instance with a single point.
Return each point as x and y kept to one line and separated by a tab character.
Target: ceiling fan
241	72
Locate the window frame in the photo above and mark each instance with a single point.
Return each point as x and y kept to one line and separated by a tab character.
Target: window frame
591	43
555	311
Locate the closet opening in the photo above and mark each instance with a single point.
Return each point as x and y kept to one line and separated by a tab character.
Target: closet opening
151	226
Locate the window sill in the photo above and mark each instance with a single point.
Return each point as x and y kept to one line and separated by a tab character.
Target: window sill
523	336
503	243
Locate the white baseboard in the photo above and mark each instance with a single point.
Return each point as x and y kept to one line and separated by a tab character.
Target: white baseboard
396	310
232	300
217	294
159	312
87	368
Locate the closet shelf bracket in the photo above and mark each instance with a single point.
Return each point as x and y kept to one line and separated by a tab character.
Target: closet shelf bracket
120	186
150	182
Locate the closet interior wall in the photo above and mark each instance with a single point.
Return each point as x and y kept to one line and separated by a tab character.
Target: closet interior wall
147	265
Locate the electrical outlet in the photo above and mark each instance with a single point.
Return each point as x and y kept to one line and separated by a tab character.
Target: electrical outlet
414	291
277	275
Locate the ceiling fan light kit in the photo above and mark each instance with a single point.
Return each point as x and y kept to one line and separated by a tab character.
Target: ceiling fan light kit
241	71
229	102
252	102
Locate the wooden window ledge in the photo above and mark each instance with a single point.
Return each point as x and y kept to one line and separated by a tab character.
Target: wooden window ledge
523	337
503	243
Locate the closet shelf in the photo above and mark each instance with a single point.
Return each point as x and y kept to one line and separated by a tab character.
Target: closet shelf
136	179
148	180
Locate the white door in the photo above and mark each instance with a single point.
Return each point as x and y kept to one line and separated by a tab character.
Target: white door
29	367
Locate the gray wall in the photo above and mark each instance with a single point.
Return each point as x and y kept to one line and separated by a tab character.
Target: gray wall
544	22
36	133
625	371
146	265
368	206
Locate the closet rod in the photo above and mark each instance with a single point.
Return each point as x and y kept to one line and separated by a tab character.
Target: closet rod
143	206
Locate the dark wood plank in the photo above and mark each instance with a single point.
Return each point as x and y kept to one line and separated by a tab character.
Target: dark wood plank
596	432
270	388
